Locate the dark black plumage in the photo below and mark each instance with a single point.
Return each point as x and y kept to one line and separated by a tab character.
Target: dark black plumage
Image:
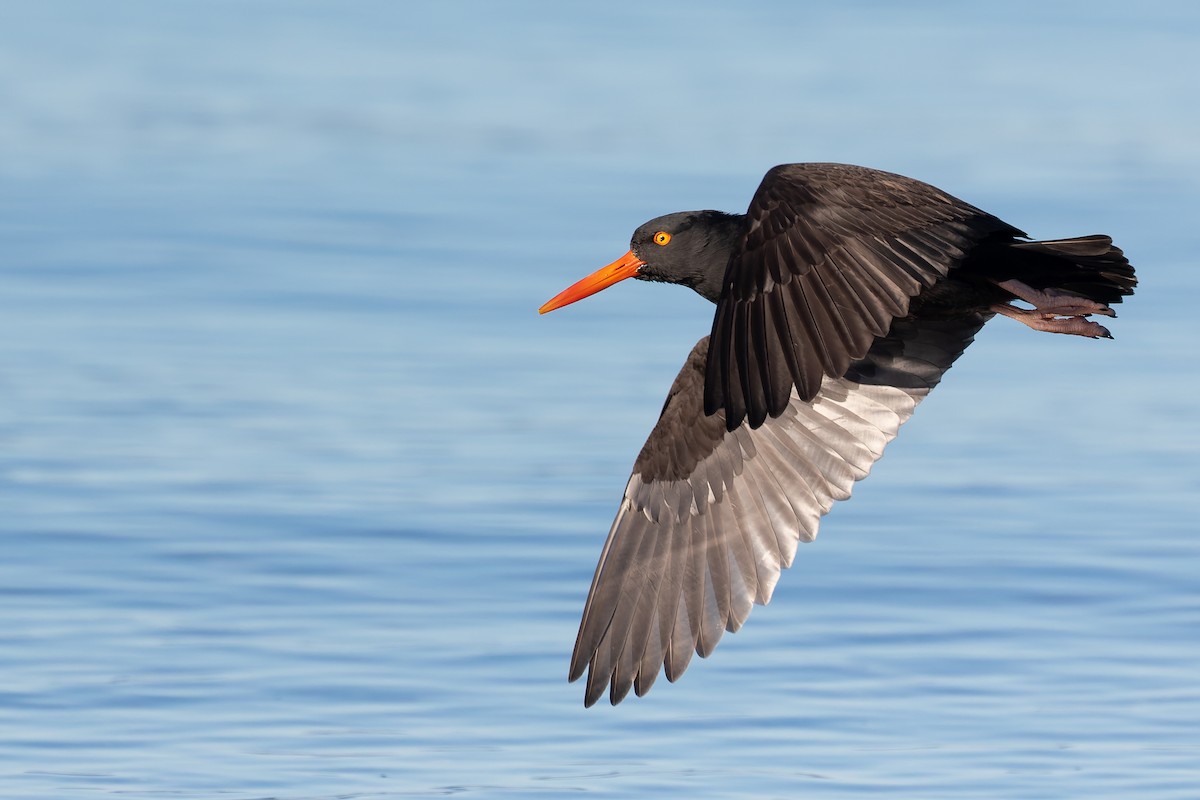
843	295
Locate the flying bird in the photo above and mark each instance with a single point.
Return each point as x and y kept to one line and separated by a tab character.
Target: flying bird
843	295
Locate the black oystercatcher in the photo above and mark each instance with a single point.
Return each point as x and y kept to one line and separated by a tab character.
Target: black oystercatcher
843	294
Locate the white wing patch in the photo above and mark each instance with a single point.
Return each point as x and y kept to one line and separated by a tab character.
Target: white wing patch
775	482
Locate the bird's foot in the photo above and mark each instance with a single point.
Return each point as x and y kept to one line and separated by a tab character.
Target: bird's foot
1056	301
1054	311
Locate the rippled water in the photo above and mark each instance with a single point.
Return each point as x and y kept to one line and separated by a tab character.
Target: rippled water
301	499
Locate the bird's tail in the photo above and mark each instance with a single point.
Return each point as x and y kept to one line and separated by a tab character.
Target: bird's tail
1088	266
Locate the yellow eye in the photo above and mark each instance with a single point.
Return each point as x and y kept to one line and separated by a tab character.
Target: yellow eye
662	237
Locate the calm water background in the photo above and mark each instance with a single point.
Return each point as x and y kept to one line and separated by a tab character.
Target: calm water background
299	498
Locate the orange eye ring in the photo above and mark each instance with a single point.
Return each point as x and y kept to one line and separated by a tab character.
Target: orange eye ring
662	238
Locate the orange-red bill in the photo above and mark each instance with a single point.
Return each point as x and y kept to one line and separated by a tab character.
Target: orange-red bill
624	267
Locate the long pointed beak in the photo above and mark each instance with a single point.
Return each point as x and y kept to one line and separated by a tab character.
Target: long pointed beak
626	266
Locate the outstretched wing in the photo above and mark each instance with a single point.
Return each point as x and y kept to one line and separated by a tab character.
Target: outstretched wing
710	516
832	255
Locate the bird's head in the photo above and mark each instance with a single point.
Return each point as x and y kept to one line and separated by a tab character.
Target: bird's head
691	248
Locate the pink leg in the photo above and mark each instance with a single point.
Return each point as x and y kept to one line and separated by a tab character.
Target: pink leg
1054	311
1057	302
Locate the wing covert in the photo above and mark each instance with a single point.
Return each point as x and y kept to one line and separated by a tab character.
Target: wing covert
832	255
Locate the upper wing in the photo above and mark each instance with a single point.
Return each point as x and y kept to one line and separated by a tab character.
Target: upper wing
710	516
833	254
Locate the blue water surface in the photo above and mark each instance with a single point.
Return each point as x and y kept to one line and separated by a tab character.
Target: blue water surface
299	497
